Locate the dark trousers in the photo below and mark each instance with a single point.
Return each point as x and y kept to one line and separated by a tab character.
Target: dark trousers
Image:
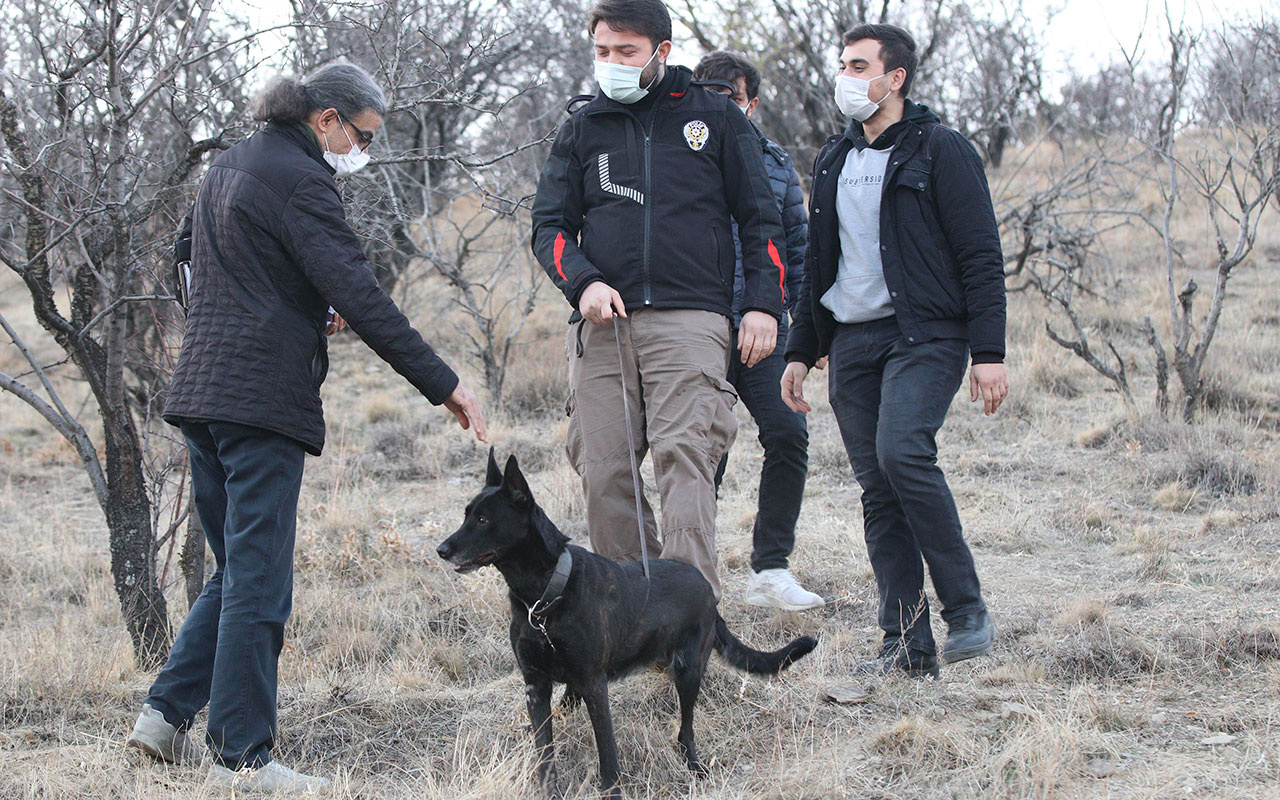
246	483
785	439
890	398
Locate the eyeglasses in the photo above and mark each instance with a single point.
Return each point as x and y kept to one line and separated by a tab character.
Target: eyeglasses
365	137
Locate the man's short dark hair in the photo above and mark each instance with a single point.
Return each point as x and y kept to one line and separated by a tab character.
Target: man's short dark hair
897	48
648	18
725	65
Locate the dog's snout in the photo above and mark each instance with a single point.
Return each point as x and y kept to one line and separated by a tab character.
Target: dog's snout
445	550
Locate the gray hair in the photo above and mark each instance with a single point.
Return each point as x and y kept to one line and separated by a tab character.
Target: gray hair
346	87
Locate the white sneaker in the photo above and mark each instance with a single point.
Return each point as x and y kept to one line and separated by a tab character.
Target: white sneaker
777	588
153	735
273	778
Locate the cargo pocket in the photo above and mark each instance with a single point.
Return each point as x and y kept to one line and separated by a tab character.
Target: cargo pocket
573	447
722	424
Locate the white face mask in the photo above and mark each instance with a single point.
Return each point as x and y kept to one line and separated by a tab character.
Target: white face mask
347	163
851	97
622	83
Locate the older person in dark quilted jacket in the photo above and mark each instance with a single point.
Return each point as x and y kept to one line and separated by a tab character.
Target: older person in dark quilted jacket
271	255
782	432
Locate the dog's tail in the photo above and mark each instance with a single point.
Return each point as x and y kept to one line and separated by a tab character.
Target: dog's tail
758	662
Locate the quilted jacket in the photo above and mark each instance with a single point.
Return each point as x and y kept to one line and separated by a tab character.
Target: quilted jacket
270	251
795	221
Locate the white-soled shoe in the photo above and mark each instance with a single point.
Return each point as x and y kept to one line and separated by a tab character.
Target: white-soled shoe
777	588
153	735
273	778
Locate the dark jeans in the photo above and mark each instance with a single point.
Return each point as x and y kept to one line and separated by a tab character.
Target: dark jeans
785	439
246	483
890	398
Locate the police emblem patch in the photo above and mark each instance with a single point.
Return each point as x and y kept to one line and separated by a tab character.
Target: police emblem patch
696	133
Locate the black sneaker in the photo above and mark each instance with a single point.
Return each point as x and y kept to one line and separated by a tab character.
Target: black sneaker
970	637
896	657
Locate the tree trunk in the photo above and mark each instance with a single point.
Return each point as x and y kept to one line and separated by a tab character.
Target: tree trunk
995	148
191	560
1191	400
133	544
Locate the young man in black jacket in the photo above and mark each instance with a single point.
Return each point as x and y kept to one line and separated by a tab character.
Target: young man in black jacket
783	434
633	223
904	279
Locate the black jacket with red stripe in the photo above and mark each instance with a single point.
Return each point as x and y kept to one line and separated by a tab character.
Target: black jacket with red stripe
643	197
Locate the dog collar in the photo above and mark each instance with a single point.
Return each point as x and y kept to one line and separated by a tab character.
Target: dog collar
555	587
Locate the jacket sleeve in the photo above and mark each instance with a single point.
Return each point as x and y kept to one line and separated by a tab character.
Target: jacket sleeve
315	233
750	200
802	339
795	221
557	219
968	221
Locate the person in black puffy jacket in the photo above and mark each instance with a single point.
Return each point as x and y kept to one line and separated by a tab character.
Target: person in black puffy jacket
782	432
270	252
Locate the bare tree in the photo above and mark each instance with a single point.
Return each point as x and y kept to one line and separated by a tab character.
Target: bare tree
100	135
1052	247
450	68
107	113
1230	169
484	258
998	83
477	90
1234	178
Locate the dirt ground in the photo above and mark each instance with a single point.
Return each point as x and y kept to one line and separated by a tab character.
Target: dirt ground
1132	566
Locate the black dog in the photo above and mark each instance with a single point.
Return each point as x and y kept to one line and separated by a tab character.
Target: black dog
583	620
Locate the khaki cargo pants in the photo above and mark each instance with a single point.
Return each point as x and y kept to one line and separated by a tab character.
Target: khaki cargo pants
674	365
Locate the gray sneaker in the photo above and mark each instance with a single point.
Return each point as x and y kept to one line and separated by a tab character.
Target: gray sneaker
153	735
273	778
970	637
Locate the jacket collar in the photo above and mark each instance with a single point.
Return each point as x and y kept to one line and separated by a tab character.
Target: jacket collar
913	115
302	136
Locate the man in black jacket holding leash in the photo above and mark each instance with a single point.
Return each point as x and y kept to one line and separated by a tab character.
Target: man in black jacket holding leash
904	283
633	223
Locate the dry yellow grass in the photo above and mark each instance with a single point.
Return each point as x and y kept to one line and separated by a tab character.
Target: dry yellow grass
1130	631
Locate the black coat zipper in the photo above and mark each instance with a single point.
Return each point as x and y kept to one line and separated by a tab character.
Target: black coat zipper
648	197
648	183
648	215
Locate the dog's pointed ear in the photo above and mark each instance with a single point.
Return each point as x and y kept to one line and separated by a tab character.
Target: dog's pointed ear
515	485
494	475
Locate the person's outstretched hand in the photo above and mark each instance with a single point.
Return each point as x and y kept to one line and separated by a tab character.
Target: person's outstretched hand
466	408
